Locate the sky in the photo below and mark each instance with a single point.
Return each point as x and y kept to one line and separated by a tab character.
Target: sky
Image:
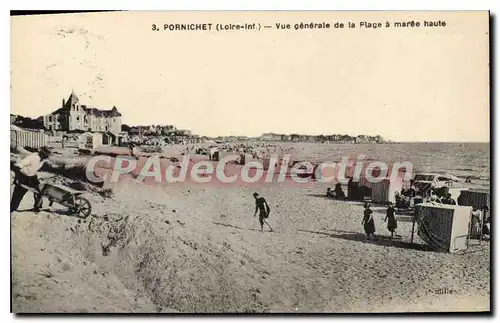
406	84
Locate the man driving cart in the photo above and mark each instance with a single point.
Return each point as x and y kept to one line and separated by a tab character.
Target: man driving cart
26	172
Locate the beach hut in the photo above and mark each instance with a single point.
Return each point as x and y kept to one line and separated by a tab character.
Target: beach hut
24	138
90	140
385	190
444	227
477	198
107	138
122	138
363	181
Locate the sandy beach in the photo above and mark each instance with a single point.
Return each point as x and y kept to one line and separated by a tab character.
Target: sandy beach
192	248
156	129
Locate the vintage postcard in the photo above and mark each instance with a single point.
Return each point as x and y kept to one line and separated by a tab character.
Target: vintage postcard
250	162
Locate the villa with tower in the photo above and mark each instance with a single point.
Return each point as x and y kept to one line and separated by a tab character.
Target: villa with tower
74	116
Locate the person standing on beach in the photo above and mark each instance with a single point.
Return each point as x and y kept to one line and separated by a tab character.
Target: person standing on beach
263	209
392	224
486	221
434	197
368	223
461	199
131	148
477	216
26	172
412	192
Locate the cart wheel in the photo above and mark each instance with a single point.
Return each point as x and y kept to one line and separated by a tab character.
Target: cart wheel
82	208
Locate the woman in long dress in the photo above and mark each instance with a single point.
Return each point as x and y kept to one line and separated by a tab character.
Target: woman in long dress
368	223
392	224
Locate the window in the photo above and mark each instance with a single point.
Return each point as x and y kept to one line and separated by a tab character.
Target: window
444	179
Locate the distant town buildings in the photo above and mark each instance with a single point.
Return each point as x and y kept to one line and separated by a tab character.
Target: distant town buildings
76	116
321	138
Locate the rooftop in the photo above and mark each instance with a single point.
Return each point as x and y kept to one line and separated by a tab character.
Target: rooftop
73	99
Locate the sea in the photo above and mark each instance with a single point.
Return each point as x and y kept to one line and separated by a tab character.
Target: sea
460	159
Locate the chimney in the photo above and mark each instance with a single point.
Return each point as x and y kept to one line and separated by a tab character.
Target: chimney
63	103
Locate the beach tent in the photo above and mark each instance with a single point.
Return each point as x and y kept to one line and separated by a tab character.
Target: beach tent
444	227
21	138
384	191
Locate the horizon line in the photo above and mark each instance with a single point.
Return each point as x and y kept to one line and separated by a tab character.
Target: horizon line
385	140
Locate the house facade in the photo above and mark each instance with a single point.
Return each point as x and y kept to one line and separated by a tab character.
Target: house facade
75	116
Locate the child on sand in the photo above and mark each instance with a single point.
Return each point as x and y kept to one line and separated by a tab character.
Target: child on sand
368	223
262	206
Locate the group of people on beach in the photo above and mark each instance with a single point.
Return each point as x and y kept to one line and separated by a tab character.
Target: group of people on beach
369	224
405	198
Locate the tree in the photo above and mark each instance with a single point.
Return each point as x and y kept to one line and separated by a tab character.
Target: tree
28	123
126	128
321	138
